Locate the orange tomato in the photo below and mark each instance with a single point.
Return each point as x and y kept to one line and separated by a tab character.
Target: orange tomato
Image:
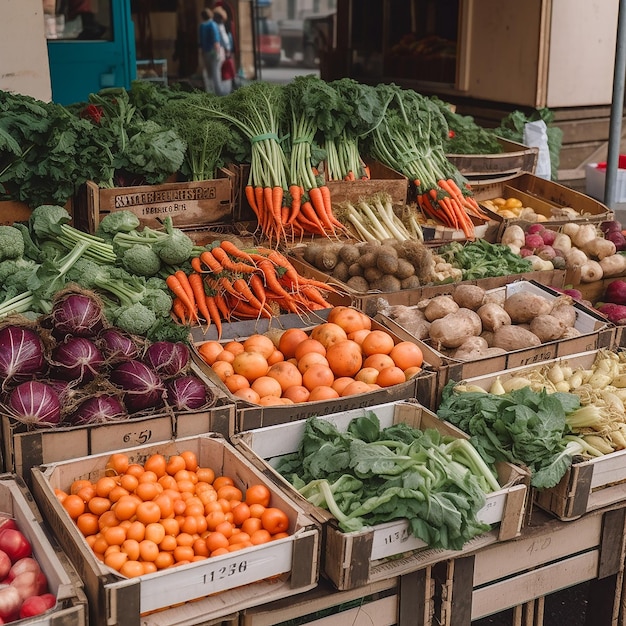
87	524
74	505
341	383
276	357
257	494
309	359
251	525
128	482
148	550
260	344
164	560
224	356
357	387
256	510
274	520
220	481
266	386
378	361
390	376
132	569
115	535
209	351
136	531
345	358
349	319
297	393
241	513
290	340
318	375
148	512
286	374
367	375
251	365
230	492
328	334
98	505
248	394
131	548
104	486
359	335
407	354
322	392
271	401
117	464
147	491
77	485
234	346
116	560
259	537
377	342
409	372
216	540
126	507
205	475
156	463
309	345
223	369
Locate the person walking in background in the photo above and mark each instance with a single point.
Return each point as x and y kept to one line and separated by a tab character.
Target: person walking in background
212	52
227	67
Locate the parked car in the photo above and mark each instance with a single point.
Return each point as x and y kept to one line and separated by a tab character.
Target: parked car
269	42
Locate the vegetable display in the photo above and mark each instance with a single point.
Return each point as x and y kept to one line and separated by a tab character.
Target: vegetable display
368	475
168	511
338	358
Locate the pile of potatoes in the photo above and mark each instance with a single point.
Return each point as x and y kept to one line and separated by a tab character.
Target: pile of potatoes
386	266
472	323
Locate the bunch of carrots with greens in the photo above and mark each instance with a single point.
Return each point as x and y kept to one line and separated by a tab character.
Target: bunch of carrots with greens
410	139
226	282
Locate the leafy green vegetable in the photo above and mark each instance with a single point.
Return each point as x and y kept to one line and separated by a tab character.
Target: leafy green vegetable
481	259
523	426
366	476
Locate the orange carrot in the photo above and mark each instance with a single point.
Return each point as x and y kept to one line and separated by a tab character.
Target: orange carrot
296	198
328	205
184	281
196	265
214	314
178	308
233	250
227	286
309	210
175	286
197	284
211	262
222	306
227	263
250	197
242	287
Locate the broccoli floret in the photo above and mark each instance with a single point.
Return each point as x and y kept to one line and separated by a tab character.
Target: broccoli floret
137	319
176	247
118	222
11	243
156	282
159	301
141	260
11	266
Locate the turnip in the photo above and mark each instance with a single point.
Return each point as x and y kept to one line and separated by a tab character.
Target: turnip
545	252
617	238
533	241
548	236
535	229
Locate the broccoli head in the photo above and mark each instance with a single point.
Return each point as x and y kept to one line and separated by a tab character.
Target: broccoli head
136	319
141	260
12	266
45	220
11	243
159	301
176	247
118	222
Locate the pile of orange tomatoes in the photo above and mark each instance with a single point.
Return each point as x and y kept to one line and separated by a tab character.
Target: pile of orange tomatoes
340	357
168	512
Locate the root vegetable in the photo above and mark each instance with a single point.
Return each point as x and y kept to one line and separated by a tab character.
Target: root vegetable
563	310
470	349
387	283
412	282
513	235
349	254
598	248
590	272
355	270
368	260
372	274
405	269
358	283
493	316
311	252
326	259
523	307
513	337
440	306
452	330
341	272
547	328
562	242
469	296
387	263
584	235
575	258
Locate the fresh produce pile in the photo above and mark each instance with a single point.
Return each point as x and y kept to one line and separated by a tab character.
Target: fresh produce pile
24	589
472	323
340	357
581	413
169	511
70	368
368	475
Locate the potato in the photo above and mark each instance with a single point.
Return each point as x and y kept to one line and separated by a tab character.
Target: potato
326	259
524	307
472	319
513	337
440	306
372	274
387	263
358	283
452	330
411	319
493	316
469	296
412	282
487	335
368	246
368	259
470	349
341	272
565	311
405	269
547	328
355	270
311	252
386	283
349	254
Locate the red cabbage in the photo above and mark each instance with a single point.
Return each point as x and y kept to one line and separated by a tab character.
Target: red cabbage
117	346
143	389
100	409
167	358
77	314
617	238
615	292
187	392
77	359
35	403
21	353
616	313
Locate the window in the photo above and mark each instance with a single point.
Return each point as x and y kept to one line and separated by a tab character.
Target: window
78	19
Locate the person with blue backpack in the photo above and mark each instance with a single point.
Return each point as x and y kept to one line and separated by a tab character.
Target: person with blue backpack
212	53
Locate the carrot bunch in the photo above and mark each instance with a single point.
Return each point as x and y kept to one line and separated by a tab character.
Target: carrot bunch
229	283
448	205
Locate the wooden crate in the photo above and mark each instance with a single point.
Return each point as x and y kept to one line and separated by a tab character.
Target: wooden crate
514	159
249	416
191	205
407	599
15	211
207	589
588	485
353	559
596	332
71	606
547	557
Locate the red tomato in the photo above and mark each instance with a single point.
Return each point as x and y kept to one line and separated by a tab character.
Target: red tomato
36	605
5	565
15	544
10	602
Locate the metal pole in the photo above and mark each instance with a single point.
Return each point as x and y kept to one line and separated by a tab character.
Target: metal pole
617	108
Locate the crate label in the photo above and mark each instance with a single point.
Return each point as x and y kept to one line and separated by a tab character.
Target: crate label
216	574
157	202
394	538
129	434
